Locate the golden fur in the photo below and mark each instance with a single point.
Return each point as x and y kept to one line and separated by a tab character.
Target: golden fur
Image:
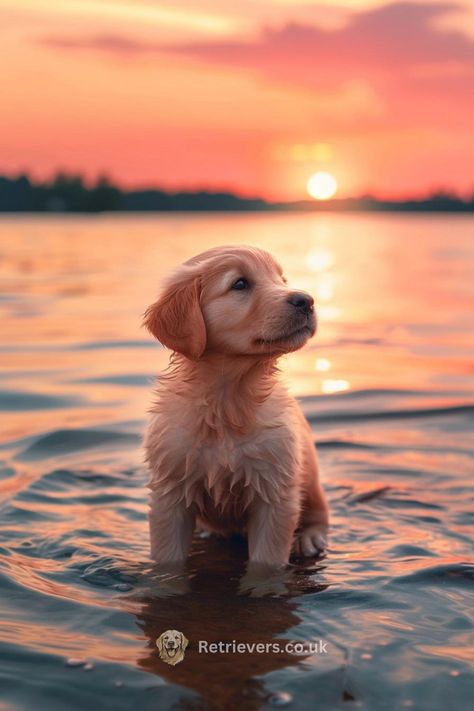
227	447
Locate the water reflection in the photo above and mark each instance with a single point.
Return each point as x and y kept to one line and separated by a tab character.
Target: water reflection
322	364
318	260
209	612
330	385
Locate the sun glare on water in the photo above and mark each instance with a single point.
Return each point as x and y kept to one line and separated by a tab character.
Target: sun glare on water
322	186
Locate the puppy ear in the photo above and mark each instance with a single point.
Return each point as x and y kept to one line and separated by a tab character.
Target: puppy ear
176	319
184	642
159	643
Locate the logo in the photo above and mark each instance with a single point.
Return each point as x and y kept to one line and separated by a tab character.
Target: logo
171	646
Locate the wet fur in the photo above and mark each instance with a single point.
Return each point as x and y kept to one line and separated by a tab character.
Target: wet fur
227	447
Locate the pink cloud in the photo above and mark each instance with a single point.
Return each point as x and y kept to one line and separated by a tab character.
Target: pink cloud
378	44
396	50
111	43
394	36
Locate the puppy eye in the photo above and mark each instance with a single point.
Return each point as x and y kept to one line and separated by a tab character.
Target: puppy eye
240	284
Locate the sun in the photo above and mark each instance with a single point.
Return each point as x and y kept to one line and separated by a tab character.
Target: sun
322	186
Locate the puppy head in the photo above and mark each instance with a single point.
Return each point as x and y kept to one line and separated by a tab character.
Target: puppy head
171	642
233	301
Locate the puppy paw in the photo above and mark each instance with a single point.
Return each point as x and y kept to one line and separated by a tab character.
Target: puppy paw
311	541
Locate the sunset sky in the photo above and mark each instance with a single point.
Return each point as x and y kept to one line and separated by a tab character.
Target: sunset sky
248	95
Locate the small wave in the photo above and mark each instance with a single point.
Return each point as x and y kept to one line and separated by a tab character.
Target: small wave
81	346
380	393
409	551
60	480
101	345
455	574
131	380
104	572
369	495
372	392
344	444
19	401
412	503
6	471
67	441
345	416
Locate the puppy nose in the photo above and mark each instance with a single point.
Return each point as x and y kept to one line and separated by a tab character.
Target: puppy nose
301	301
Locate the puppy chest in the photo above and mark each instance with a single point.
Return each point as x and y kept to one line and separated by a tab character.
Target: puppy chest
231	472
227	479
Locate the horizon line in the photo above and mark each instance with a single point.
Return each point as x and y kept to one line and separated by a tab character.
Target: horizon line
103	179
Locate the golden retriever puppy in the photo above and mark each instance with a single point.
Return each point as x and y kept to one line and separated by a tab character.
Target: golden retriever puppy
171	646
228	449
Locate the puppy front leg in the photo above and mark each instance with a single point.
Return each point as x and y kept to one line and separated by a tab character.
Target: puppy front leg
312	535
270	533
171	529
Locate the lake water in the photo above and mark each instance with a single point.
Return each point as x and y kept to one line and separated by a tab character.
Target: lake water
387	387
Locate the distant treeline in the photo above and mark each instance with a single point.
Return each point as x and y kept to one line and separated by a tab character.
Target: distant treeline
69	193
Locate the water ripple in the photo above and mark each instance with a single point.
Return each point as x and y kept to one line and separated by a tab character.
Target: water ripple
73	440
83	605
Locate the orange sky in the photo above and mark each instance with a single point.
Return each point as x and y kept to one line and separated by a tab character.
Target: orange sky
251	95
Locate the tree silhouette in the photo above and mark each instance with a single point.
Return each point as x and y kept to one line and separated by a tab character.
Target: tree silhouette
69	193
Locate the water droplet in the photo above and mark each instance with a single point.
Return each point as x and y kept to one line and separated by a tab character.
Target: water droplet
119	683
123	587
75	662
454	672
88	667
280	698
366	655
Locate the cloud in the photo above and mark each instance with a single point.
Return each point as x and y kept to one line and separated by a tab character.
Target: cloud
378	45
117	44
401	59
387	40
